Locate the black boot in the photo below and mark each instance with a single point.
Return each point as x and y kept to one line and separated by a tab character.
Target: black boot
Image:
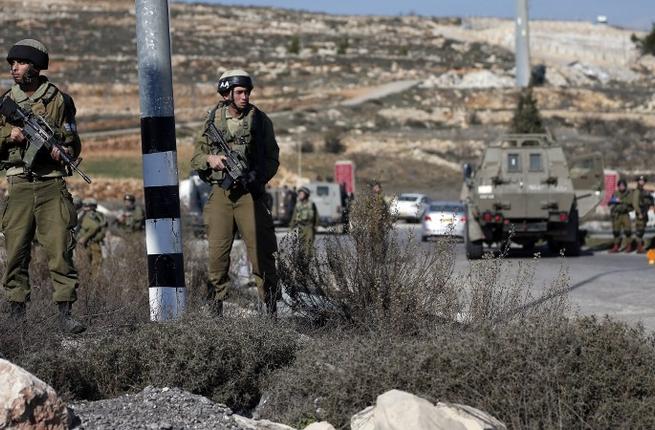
17	311
216	307
67	323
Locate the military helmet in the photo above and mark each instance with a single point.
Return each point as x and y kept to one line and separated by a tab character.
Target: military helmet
31	50
305	190
622	181
89	202
234	78
129	197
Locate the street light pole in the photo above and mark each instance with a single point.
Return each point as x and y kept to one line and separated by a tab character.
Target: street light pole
522	35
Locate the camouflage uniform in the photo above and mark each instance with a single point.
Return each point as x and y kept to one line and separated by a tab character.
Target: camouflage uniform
621	204
132	219
304	220
38	203
252	135
641	201
93	228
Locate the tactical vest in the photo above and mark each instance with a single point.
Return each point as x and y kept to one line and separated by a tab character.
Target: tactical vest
624	204
243	139
645	199
15	153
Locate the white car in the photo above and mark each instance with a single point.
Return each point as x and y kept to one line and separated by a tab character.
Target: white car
409	206
444	219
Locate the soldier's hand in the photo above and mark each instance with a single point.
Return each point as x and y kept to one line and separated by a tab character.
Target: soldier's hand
216	162
17	135
55	153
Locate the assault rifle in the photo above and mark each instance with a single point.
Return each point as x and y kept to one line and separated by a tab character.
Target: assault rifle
39	135
236	166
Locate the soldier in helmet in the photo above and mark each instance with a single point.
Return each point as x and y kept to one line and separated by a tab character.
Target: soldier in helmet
621	205
248	131
39	205
93	228
132	218
304	220
641	202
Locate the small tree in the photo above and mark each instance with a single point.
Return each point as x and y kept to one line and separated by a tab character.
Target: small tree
294	45
526	117
646	45
342	46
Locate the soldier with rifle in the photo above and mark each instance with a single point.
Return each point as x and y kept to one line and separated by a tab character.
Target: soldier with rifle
38	144
642	201
236	152
621	205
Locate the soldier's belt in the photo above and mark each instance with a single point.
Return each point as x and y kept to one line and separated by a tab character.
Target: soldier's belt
16	179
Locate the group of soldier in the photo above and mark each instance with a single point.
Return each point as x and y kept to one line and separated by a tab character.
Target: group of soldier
621	204
92	226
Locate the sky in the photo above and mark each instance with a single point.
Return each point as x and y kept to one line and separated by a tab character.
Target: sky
637	14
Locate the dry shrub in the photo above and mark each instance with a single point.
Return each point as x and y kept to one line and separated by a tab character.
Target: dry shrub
372	277
586	373
224	359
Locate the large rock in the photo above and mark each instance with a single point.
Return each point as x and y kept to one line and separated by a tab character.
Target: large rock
250	424
323	425
398	410
26	402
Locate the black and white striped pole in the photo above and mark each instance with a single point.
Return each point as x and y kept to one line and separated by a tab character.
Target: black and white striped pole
167	291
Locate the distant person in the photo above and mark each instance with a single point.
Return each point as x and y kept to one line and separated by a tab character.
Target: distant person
642	201
132	217
304	220
93	229
621	205
39	205
248	131
290	197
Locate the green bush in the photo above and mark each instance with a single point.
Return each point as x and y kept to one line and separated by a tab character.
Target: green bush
527	118
333	144
294	45
646	45
580	374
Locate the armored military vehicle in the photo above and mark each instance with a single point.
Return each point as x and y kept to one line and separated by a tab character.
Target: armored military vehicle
525	191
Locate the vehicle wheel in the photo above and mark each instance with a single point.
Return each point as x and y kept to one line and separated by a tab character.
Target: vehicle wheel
572	249
473	249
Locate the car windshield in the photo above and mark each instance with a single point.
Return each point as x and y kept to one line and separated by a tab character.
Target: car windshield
322	191
456	209
408	198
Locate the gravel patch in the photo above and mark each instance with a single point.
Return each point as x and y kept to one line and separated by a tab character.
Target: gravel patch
154	409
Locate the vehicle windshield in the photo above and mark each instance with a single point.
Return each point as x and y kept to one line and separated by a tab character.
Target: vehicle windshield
456	209
322	191
407	198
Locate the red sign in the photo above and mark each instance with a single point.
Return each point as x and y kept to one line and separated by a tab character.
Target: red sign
611	178
344	173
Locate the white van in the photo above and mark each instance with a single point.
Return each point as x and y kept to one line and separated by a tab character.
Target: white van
329	199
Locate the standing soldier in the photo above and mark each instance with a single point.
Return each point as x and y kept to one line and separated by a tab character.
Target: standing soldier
304	219
621	203
39	203
249	132
641	201
93	228
132	218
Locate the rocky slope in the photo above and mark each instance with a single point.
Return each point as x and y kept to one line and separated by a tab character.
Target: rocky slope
597	94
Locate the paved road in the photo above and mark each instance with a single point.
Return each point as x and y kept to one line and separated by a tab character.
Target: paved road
619	285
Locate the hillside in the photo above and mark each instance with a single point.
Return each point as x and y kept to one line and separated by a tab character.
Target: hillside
598	95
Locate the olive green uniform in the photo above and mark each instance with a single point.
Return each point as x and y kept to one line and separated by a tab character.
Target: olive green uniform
93	228
641	201
132	219
38	203
304	220
620	216
252	135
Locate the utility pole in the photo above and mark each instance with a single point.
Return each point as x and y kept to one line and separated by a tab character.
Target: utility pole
522	44
166	287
